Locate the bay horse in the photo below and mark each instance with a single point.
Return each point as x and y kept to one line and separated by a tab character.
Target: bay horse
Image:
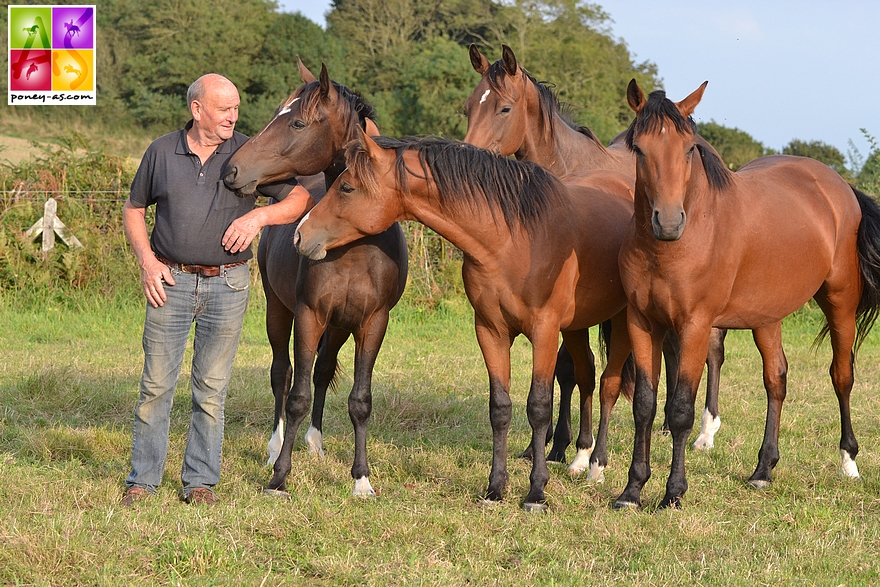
511	113
533	247
349	292
708	246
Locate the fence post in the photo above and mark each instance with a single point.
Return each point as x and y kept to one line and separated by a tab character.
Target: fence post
49	225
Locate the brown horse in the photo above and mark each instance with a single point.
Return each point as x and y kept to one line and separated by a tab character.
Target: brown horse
512	113
349	292
737	250
532	247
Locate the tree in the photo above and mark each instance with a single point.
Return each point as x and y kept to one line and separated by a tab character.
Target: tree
736	147
820	151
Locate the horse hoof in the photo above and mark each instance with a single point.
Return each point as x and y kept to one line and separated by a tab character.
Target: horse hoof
759	483
671	503
624	505
276	493
703	444
535	508
362	488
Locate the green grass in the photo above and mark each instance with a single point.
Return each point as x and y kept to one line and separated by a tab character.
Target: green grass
68	385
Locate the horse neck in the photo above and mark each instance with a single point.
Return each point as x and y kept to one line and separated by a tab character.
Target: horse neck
335	169
475	233
565	150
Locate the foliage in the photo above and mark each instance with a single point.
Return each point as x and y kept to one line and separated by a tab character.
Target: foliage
736	147
866	169
90	186
819	151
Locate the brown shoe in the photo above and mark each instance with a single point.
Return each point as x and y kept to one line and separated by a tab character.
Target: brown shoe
201	496
134	494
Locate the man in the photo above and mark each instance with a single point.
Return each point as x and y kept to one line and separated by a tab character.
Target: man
193	269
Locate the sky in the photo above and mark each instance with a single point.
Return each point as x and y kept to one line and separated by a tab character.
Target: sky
777	69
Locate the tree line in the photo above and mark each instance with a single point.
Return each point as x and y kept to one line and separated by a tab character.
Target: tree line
407	57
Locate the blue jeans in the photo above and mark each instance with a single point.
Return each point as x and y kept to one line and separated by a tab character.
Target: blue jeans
217	306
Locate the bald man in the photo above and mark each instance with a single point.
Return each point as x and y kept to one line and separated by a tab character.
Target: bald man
194	269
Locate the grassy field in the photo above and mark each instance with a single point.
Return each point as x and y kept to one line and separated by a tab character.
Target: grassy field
68	384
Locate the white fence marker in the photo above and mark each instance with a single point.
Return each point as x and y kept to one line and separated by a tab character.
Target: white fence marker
49	225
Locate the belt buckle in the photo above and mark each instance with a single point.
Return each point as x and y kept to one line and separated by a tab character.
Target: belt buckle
185	268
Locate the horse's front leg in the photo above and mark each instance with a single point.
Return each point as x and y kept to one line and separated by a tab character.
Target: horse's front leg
360	402
694	348
769	343
539	408
307	333
495	347
647	340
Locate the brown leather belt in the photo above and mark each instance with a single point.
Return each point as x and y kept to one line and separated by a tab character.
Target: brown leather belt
203	270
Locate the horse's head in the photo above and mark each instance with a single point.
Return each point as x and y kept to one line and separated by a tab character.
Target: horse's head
365	199
497	110
305	136
663	137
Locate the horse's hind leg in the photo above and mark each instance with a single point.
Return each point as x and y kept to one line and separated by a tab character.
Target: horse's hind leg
279	323
584	370
842	329
619	349
769	342
671	358
360	402
326	365
711	421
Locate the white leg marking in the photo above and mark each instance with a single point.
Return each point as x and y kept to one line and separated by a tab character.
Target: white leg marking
315	441
597	474
581	460
848	468
275	443
485	95
709	428
362	488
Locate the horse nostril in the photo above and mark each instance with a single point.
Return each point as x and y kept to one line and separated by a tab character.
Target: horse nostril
231	175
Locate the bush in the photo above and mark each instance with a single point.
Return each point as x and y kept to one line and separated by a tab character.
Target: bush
90	187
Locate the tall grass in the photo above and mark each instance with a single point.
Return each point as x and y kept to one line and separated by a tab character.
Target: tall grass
68	383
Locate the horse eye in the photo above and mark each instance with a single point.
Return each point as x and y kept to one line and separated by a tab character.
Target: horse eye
346	188
636	151
298	124
505	110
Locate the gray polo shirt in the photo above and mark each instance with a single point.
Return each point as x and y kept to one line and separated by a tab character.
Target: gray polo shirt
193	205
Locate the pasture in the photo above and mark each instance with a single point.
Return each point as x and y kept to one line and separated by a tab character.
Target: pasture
68	384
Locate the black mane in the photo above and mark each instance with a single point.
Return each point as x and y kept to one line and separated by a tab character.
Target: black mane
467	177
353	104
657	111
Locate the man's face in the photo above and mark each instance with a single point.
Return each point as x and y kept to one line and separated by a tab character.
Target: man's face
217	112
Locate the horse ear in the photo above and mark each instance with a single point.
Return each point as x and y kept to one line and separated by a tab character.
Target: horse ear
508	59
478	60
689	104
635	96
368	144
328	91
304	73
372	129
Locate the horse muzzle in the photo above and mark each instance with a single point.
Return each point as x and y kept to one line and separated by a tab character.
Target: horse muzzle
668	224
311	248
233	181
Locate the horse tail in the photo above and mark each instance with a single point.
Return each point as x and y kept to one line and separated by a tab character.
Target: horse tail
628	375
869	265
868	245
